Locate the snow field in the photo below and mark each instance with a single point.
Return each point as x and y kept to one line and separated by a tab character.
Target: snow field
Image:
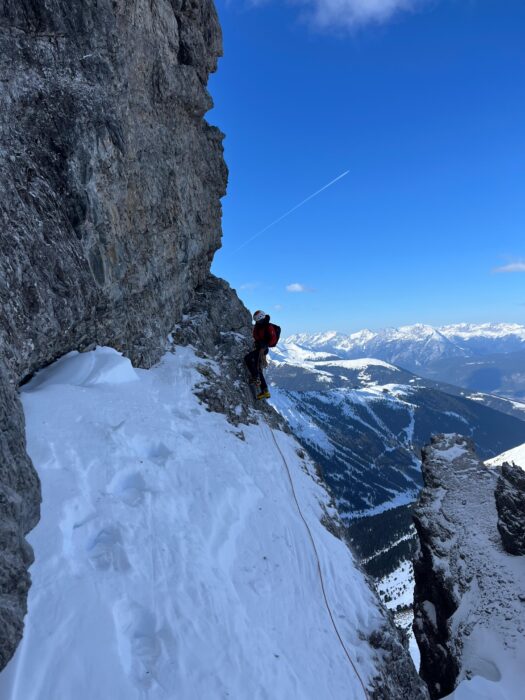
171	561
514	456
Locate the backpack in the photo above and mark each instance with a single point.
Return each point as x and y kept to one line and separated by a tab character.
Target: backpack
275	334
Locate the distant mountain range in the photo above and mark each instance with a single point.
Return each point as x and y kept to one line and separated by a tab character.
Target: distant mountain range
488	357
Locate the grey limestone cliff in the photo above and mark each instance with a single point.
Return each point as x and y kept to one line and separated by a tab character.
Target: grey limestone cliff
469	598
510	502
110	187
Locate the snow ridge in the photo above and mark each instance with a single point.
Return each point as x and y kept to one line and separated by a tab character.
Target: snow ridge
515	456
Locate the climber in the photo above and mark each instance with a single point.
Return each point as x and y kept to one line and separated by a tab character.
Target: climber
265	335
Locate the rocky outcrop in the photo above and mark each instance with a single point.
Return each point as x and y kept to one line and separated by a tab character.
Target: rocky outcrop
510	502
469	592
110	187
397	678
218	326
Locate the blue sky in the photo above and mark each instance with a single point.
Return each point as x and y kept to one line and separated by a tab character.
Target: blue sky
423	102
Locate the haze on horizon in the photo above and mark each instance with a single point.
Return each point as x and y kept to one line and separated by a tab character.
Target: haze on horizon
424	105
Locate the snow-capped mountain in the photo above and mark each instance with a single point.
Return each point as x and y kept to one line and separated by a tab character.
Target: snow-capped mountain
500	335
415	346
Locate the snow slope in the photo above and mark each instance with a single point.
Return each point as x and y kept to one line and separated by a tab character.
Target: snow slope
171	561
515	456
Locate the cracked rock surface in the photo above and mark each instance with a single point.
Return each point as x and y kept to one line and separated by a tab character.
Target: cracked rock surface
510	502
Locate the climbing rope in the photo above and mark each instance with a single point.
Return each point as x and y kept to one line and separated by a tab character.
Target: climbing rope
319	571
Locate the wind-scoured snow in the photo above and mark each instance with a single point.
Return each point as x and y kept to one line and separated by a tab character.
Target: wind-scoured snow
171	561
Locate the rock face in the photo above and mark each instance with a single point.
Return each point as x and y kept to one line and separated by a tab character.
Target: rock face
469	592
510	502
110	187
218	324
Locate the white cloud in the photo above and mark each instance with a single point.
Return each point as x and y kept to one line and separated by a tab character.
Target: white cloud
347	14
511	267
249	286
296	287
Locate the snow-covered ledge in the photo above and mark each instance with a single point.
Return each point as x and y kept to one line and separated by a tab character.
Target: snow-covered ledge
171	559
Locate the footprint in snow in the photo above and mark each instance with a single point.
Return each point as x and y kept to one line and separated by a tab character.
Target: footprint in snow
138	642
159	453
106	550
156	452
130	488
180	415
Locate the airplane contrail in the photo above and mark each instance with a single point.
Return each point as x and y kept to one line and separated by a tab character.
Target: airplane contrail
283	216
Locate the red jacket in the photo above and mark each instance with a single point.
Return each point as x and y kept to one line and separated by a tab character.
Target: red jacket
264	334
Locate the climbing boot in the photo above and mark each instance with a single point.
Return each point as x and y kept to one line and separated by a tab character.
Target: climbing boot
263	394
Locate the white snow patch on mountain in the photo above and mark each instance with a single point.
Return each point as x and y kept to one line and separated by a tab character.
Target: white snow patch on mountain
397	591
171	561
468	331
294	354
360	364
300	424
515	456
398	587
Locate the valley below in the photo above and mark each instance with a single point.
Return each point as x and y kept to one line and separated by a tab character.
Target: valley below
365	421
